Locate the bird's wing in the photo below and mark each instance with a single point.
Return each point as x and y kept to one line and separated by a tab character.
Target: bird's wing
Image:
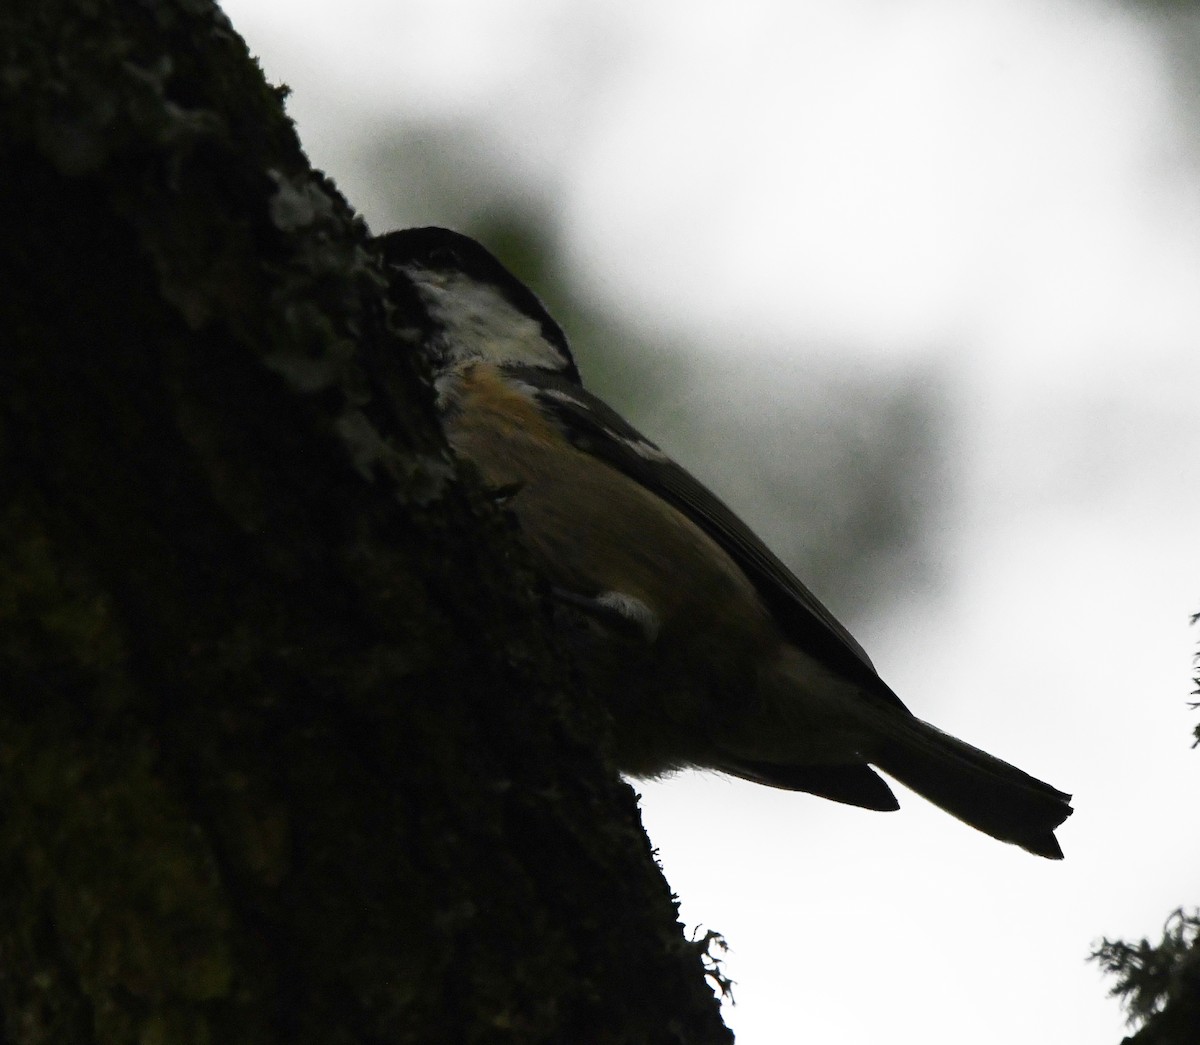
597	429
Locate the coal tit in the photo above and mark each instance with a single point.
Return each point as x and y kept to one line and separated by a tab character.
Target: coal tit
707	649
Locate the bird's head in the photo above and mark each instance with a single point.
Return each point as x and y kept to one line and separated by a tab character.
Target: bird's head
478	310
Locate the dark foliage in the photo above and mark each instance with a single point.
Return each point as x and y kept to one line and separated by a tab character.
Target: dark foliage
1159	983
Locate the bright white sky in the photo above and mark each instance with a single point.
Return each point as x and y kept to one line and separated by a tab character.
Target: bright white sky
1006	189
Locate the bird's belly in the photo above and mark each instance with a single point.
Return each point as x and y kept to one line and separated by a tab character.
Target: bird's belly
593	531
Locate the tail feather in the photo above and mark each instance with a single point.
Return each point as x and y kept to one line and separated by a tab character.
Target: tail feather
855	785
978	788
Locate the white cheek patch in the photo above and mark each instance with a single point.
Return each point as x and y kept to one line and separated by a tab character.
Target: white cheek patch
478	322
633	610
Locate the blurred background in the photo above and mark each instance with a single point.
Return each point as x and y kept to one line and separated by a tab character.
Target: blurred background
915	286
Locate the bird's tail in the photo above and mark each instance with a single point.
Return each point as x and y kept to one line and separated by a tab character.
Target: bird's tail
976	787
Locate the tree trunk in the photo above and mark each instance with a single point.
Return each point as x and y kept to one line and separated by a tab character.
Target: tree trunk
287	752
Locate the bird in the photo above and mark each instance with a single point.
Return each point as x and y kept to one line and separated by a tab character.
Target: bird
706	649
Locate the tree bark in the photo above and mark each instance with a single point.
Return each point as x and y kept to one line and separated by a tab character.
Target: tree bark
287	750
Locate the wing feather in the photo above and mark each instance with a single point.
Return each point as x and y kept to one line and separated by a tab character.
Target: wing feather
597	429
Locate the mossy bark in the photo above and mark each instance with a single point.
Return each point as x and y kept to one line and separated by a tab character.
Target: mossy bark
287	752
